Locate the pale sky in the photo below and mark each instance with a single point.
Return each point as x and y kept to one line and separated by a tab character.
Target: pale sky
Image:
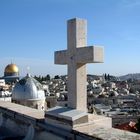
31	30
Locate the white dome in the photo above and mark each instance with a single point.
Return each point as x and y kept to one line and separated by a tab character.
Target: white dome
28	89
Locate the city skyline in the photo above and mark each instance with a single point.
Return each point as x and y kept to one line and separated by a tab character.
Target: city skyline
30	32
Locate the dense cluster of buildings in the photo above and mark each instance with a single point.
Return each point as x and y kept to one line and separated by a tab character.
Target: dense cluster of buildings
107	97
112	98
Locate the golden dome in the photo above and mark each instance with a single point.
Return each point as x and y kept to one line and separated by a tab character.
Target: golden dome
11	68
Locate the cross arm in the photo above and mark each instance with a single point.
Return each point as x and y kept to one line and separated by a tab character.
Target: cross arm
90	54
60	57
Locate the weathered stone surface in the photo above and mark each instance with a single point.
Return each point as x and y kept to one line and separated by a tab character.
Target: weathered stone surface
103	133
88	131
66	116
76	57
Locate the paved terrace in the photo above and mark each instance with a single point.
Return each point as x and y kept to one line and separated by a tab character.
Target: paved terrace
36	117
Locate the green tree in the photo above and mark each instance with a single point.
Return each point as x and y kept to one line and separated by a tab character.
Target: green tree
105	76
48	77
108	77
56	77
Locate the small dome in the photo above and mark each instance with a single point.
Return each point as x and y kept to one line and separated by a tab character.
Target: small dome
28	89
11	68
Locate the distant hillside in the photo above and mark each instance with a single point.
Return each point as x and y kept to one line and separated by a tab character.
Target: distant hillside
130	76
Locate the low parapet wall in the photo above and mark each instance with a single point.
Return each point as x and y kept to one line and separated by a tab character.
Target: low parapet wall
29	122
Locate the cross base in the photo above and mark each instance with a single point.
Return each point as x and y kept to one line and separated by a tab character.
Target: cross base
65	117
68	118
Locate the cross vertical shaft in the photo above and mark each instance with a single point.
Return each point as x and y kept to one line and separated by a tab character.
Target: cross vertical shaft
76	36
76	57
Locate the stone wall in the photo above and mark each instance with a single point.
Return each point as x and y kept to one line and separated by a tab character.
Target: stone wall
37	104
29	122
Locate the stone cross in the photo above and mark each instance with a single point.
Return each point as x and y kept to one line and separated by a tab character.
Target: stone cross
76	57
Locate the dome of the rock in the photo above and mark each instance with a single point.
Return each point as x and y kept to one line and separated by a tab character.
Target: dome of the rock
11	73
11	70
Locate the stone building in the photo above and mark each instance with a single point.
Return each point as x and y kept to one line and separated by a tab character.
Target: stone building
29	92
